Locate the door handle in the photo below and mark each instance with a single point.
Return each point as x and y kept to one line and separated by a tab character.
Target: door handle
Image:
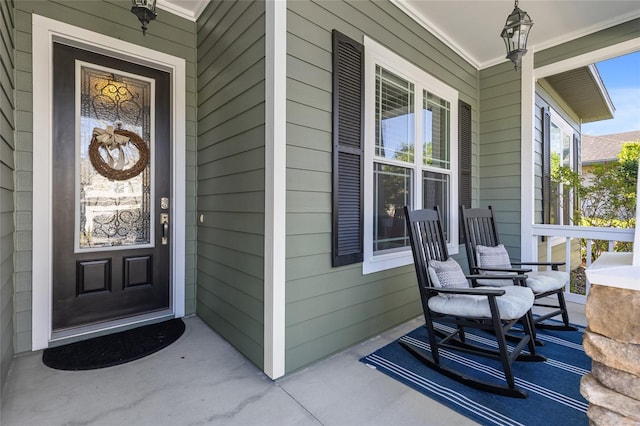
164	222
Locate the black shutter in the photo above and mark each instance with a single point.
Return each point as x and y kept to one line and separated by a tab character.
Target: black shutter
546	165
348	141
464	154
464	158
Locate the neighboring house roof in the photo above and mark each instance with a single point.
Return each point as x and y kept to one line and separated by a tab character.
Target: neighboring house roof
583	90
605	148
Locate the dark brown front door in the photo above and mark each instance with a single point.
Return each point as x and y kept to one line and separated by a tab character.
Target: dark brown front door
110	246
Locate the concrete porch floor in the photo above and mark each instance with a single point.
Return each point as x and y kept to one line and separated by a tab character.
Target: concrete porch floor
201	380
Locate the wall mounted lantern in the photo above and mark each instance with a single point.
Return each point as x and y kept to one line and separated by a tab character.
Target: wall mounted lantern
515	34
145	10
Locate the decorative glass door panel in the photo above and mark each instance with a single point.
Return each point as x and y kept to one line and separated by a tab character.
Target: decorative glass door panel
114	159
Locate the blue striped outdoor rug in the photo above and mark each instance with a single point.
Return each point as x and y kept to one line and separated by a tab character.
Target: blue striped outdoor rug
553	386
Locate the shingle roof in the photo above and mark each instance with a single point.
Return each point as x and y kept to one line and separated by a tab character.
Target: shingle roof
596	149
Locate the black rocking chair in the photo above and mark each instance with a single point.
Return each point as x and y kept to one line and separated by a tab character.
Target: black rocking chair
448	298
482	243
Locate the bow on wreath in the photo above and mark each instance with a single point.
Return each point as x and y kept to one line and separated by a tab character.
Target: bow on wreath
107	139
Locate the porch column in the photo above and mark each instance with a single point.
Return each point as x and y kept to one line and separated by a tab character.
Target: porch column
528	249
275	187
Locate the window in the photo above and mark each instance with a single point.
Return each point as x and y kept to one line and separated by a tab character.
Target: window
410	155
562	155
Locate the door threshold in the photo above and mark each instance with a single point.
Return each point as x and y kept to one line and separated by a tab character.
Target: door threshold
76	334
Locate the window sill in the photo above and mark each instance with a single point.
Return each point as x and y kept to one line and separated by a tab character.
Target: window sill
383	262
386	261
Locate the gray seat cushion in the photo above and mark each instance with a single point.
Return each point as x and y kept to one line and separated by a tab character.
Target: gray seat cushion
514	304
543	281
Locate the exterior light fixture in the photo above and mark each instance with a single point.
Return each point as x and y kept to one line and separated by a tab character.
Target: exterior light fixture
145	10
515	34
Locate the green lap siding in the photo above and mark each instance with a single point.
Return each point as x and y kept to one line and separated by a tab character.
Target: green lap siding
500	150
589	43
169	34
7	188
329	309
231	142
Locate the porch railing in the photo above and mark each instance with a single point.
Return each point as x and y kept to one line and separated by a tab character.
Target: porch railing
575	246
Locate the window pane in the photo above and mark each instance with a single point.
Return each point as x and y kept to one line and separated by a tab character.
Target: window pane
561	196
566	149
566	190
435	187
392	191
556	146
435	113
394	116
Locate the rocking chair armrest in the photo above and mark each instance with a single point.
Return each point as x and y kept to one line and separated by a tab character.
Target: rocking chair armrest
516	270
477	291
554	265
519	277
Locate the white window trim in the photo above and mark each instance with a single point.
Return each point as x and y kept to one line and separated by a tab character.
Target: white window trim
376	54
558	121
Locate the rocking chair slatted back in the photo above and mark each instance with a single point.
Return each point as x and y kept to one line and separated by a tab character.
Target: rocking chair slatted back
478	229
427	236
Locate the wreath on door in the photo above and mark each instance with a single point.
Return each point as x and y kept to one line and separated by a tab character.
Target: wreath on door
111	142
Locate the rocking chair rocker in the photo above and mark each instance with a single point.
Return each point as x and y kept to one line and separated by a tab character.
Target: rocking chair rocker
485	254
448	298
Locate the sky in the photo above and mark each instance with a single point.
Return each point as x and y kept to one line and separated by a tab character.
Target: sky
621	77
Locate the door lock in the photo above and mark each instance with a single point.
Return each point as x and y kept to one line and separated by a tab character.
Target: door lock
164	222
164	203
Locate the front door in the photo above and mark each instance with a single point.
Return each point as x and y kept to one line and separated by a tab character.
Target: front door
111	189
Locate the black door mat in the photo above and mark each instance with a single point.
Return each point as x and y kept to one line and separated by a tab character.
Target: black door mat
114	349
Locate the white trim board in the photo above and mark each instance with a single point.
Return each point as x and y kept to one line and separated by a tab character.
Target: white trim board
44	32
275	188
528	246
